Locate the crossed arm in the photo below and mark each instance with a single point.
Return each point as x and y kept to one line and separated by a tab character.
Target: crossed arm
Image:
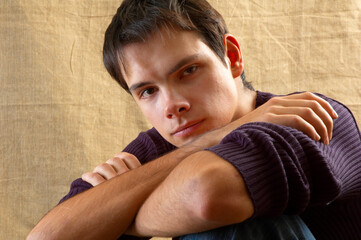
203	192
192	181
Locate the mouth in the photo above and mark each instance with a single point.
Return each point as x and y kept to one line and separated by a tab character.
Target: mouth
187	129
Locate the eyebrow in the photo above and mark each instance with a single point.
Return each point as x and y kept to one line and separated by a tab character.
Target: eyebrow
183	62
177	66
138	85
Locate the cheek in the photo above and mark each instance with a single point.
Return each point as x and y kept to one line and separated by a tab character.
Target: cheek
154	113
223	102
151	113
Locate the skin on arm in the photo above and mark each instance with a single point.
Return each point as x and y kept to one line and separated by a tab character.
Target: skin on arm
106	211
81	217
305	112
203	192
119	164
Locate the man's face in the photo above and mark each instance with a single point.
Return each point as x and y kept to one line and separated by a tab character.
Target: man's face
181	86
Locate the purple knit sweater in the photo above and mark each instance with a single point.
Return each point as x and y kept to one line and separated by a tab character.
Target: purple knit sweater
285	171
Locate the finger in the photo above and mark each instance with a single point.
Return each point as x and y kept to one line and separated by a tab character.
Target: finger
105	170
93	178
298	123
118	165
129	159
318	109
310	96
323	115
314	117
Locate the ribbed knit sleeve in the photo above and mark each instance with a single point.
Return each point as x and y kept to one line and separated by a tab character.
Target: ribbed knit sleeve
287	172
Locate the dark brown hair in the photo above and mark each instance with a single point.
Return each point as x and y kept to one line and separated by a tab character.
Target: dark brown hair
136	20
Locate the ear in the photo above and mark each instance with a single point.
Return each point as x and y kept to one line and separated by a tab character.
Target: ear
233	55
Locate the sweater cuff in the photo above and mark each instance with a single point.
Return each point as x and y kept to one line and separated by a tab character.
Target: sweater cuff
77	186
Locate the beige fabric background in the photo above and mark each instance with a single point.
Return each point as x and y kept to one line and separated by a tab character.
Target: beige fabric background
61	114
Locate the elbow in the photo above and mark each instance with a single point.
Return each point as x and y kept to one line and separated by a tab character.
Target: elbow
215	198
205	208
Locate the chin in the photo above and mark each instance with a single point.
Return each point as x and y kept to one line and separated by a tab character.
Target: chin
183	142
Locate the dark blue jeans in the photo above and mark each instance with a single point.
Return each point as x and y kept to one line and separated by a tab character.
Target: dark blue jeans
284	227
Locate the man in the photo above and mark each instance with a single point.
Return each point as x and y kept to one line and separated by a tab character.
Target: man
222	160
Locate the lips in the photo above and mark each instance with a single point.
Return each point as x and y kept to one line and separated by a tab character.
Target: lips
187	129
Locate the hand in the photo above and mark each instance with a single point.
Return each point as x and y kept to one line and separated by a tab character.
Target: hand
304	111
119	164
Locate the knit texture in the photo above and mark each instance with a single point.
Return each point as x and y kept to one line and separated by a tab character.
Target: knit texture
286	172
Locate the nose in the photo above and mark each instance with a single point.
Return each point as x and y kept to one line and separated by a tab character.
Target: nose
175	106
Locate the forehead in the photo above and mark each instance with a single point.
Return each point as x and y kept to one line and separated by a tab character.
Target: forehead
159	52
160	44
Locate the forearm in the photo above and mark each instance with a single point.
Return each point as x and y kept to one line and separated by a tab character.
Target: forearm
202	193
106	211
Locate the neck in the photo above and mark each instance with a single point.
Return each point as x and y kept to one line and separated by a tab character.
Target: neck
246	102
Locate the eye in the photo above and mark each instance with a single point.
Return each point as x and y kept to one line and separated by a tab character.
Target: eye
190	70
146	93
